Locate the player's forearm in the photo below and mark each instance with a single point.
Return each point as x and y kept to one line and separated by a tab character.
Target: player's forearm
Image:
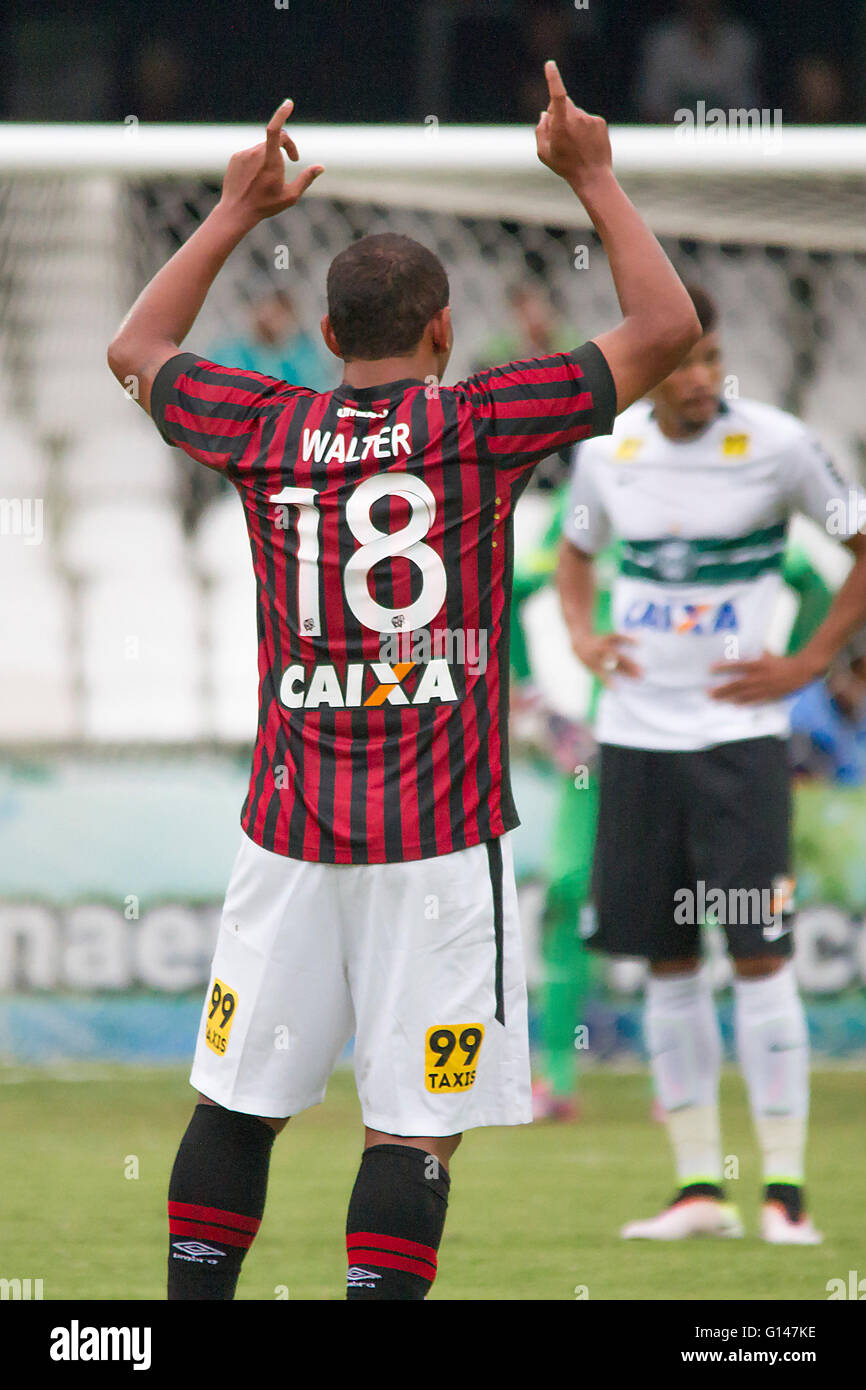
575	581
649	290
846	616
168	306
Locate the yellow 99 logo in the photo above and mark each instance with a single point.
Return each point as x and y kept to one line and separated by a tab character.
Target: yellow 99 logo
450	1054
223	1002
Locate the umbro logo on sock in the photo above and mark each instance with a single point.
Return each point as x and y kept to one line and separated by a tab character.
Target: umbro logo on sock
196	1247
196	1251
360	1278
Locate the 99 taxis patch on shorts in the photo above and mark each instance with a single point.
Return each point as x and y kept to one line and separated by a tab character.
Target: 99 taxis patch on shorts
223	1002
450	1055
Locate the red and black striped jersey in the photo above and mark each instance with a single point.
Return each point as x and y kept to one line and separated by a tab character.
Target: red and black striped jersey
380	525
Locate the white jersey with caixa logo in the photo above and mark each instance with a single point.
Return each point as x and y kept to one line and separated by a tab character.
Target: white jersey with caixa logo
702	526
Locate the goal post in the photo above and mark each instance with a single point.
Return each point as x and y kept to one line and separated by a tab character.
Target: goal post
771	219
803	185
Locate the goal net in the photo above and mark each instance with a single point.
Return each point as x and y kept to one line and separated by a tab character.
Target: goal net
773	226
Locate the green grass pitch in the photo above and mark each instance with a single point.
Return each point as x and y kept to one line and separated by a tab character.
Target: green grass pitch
534	1210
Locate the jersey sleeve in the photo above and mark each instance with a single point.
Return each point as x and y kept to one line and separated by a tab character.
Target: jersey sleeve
210	411
524	411
813	486
585	522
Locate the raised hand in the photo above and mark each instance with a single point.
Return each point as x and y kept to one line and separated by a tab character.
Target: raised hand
255	180
572	143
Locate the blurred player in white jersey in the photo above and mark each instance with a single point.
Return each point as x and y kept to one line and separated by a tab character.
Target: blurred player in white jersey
694	781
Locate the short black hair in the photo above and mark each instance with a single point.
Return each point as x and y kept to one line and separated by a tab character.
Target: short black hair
383	290
705	307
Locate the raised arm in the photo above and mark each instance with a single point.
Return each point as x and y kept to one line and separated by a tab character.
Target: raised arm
659	321
254	188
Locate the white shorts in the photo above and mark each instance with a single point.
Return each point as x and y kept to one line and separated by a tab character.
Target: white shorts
421	961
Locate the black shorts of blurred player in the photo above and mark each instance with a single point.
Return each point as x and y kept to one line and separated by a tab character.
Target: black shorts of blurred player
681	831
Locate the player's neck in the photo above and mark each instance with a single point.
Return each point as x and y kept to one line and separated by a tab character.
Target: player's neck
362	374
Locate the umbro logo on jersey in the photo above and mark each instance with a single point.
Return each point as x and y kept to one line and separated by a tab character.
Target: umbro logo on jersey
347	410
303	688
358	1278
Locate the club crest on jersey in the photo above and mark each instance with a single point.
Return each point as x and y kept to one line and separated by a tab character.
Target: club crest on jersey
697	619
675	562
367	684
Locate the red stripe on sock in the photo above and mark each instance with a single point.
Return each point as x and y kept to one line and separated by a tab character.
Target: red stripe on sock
199	1231
404	1262
395	1243
188	1212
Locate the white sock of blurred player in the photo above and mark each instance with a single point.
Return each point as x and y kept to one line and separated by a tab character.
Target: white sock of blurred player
684	1043
773	1049
682	1034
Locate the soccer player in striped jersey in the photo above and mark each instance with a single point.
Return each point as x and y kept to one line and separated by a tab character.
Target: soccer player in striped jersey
373	893
694	810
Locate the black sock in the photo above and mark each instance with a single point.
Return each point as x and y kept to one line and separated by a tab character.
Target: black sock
699	1189
396	1217
789	1194
216	1199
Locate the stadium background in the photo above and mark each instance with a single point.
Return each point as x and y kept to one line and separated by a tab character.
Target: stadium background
128	690
129	682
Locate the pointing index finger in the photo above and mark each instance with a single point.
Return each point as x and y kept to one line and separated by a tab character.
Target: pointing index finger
275	124
555	86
